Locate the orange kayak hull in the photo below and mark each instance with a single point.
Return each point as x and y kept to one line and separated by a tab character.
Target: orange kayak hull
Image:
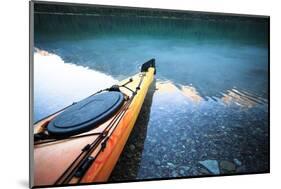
50	161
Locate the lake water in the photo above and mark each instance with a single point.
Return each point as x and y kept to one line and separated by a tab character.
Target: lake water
207	111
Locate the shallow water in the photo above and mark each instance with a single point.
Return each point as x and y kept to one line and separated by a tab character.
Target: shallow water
183	132
207	112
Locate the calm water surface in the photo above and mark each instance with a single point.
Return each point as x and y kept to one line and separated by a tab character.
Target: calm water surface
207	111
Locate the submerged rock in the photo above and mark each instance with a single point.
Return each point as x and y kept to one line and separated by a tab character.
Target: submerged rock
204	171
132	147
227	166
171	165
211	165
237	162
139	145
182	137
241	169
129	155
183	170
193	150
174	174
163	148
157	162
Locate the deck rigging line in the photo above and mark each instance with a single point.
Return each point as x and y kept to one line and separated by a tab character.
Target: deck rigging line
102	139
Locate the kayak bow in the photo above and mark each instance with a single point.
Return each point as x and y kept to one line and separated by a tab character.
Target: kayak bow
82	142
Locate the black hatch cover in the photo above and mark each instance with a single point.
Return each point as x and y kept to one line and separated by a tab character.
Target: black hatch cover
86	114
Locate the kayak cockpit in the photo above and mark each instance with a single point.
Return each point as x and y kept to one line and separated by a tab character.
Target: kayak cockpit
86	114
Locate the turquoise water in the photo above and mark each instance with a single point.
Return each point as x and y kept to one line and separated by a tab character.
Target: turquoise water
179	60
206	113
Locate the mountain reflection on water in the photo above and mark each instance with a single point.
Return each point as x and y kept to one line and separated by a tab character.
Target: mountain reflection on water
206	113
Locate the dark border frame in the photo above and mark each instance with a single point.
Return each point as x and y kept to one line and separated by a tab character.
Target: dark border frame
31	87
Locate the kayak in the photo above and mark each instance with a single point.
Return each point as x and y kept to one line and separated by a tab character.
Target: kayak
82	142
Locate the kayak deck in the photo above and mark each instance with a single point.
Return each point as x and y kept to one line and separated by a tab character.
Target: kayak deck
54	161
